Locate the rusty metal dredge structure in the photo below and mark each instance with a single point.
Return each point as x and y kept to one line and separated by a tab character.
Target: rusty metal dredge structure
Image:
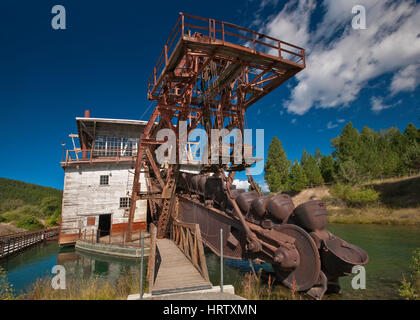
208	74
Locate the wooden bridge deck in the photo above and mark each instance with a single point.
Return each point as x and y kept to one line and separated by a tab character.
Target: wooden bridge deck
176	272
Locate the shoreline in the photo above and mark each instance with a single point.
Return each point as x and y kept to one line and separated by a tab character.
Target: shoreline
375	215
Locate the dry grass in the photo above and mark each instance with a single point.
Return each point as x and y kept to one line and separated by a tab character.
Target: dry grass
311	194
8	228
85	289
257	288
399	204
376	215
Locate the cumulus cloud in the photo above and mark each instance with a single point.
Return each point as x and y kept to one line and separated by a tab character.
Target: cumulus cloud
341	60
407	79
241	184
377	104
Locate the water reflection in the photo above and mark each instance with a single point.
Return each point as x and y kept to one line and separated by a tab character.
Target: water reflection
80	264
389	248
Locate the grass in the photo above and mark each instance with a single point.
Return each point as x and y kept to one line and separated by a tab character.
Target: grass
85	289
258	288
7	291
374	215
410	286
398	204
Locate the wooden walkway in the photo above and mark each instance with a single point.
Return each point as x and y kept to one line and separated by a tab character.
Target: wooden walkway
13	243
176	272
178	264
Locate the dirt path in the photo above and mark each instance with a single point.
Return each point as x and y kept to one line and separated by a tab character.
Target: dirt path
8	228
310	194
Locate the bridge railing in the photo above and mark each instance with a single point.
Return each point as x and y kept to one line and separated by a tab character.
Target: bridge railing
154	257
187	237
19	241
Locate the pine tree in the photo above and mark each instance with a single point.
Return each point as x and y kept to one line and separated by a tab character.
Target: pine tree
311	168
412	133
412	157
318	156
369	160
347	145
276	167
347	152
327	167
297	178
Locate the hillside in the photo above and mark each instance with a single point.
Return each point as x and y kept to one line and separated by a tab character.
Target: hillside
27	206
399	203
27	192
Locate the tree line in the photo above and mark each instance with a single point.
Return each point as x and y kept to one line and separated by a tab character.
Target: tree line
357	157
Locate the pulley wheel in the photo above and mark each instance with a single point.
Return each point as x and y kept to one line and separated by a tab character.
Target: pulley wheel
306	275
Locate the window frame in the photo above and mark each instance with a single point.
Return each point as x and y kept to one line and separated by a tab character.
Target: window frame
107	180
125	202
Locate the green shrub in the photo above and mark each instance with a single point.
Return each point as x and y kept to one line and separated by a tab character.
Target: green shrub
54	220
10	216
10	204
410	289
354	196
29	223
50	206
6	289
2	219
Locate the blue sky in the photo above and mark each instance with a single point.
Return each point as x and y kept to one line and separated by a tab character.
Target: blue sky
103	59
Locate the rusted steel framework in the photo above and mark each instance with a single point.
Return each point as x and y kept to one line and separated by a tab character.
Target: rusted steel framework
208	74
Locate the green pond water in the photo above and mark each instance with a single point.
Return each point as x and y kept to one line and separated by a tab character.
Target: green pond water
389	248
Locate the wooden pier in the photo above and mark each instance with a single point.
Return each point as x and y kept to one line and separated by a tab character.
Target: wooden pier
177	264
16	242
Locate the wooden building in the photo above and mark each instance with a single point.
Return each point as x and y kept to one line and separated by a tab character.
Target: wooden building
98	179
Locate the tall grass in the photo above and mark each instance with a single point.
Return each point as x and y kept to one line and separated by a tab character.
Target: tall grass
85	289
7	291
410	287
258	288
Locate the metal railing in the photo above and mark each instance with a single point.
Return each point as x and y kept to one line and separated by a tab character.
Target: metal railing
216	31
90	155
119	239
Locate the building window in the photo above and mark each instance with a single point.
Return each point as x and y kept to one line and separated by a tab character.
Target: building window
113	146
125	202
104	180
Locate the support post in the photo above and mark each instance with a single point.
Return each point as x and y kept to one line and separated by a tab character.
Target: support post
221	260
141	265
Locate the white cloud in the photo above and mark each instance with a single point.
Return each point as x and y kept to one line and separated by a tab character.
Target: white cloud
241	184
377	104
292	23
340	60
407	79
293	121
331	125
264	188
341	120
